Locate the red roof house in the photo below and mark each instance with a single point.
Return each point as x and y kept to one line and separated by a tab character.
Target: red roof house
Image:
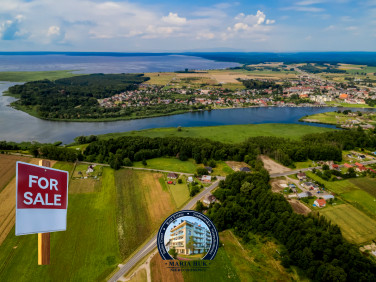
320	203
347	165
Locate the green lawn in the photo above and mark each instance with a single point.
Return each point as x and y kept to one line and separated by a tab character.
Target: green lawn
25	76
65	166
227	133
338	187
356	227
87	251
170	164
179	192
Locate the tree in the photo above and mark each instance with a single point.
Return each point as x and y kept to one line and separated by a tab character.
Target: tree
173	252
179	128
325	167
144	163
212	163
180	181
200	206
202	171
246	188
191	244
127	162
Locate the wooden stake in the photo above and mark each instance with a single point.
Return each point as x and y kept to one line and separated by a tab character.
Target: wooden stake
44	238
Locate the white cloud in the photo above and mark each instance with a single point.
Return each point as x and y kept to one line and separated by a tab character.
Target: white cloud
53	30
174	19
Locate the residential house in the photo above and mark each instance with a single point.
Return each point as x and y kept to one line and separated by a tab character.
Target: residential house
172	175
190	179
206	178
320	203
334	167
209	169
301	176
209	199
347	165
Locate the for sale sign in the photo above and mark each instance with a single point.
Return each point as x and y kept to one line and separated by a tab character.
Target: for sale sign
41	199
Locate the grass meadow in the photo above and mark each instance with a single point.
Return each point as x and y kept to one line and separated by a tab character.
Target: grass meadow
227	133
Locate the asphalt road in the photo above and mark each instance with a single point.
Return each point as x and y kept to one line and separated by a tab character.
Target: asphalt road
152	243
310	168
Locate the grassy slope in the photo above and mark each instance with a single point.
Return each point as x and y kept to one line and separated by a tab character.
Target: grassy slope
227	133
25	76
237	262
87	251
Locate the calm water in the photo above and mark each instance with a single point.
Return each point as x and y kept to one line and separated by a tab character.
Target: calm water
19	126
108	64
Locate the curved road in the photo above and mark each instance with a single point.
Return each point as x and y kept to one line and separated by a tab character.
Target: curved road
152	243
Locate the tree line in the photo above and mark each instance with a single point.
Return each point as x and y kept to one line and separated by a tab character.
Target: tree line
247	205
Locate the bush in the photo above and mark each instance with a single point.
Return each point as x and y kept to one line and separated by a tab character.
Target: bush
202	171
180	181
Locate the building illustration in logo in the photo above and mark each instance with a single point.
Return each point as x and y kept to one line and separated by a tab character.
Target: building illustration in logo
189	238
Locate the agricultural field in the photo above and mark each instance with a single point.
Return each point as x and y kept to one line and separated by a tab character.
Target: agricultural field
8	168
227	133
26	76
159	272
77	251
180	192
169	164
142	207
362	200
356	226
338	187
366	184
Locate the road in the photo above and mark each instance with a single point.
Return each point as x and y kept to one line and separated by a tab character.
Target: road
152	243
310	168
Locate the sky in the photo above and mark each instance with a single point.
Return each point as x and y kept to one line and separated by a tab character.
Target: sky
177	25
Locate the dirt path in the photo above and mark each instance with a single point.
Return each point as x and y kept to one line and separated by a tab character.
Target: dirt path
273	166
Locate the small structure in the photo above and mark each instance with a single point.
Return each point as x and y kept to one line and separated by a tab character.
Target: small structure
90	169
361	168
304	195
190	179
206	178
172	175
301	176
327	197
245	169
361	157
320	203
209	199
209	169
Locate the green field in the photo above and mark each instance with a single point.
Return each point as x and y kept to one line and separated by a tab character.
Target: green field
65	166
362	200
87	251
346	105
179	192
26	76
356	227
169	164
367	184
227	133
143	204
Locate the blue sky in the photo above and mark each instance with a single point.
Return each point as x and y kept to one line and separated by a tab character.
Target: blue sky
166	25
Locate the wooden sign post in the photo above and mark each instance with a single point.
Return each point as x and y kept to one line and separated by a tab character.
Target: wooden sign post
44	238
41	203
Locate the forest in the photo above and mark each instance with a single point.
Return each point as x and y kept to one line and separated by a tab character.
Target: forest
247	205
74	97
312	69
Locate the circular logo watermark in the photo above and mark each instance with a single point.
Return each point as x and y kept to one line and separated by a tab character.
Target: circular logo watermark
187	235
